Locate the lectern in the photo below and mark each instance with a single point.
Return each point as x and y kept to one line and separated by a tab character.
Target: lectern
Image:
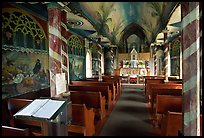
54	114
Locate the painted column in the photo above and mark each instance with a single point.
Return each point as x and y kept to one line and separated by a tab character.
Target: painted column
155	61
191	67
54	26
200	27
115	58
166	55
112	58
108	60
99	59
64	48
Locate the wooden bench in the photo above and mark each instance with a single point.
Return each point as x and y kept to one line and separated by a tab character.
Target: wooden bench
82	120
109	80
157	89
91	100
165	103
171	123
173	84
105	91
159	80
92	83
13	131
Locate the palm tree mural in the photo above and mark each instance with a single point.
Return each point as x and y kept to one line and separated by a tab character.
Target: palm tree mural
158	10
149	27
103	18
116	29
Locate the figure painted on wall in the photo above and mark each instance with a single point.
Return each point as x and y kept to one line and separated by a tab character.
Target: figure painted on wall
37	67
37	42
8	37
9	72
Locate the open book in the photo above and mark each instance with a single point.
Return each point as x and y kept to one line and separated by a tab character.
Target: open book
41	108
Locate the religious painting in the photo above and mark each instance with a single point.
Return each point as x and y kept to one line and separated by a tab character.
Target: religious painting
76	67
23	72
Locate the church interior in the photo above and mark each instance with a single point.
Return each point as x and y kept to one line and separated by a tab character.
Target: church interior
101	68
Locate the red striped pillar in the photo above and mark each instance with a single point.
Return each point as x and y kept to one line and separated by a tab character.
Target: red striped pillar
200	19
54	26
166	54
112	54
99	59
191	68
155	62
64	51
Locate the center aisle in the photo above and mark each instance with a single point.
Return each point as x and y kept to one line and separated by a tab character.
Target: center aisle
129	116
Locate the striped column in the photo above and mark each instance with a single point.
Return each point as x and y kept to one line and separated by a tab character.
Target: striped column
64	49
166	54
54	25
112	60
99	59
191	68
200	24
155	63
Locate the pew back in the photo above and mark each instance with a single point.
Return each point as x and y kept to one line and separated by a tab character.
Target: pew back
13	131
93	83
91	100
103	89
165	103
163	91
161	86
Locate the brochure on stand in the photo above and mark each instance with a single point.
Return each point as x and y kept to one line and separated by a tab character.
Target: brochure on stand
41	108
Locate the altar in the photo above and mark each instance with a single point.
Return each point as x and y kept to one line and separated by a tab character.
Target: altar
133	70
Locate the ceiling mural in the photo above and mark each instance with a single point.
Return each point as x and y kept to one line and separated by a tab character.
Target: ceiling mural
116	21
111	18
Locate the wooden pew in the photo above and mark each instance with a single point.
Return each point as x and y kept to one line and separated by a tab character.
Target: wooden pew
82	120
159	79
109	80
92	83
157	89
165	103
5	118
91	100
13	131
105	91
172	84
171	123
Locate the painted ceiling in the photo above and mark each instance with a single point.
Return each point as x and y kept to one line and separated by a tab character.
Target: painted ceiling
117	21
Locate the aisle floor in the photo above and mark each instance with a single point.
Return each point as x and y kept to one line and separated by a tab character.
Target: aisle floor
129	116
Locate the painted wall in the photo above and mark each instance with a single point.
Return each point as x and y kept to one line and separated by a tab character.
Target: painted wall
77	67
21	74
24	52
77	59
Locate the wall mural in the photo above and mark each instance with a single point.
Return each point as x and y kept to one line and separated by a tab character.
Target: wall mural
77	60
23	72
175	57
24	54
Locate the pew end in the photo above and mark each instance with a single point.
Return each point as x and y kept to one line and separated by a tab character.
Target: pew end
171	123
